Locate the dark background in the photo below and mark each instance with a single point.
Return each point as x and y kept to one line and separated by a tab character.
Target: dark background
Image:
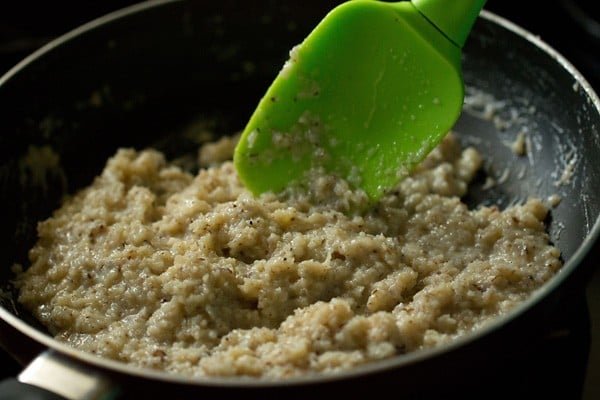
570	26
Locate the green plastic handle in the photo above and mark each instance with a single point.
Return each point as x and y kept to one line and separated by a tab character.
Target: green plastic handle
454	18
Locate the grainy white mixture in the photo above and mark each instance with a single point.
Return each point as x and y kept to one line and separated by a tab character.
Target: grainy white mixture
155	267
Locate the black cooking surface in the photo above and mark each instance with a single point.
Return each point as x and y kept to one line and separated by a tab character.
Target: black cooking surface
568	25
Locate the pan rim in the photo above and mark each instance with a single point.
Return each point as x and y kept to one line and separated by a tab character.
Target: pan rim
370	368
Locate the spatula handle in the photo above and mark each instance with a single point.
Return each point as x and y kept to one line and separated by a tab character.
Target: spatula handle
454	18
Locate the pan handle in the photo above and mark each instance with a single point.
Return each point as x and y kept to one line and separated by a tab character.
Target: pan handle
52	376
12	389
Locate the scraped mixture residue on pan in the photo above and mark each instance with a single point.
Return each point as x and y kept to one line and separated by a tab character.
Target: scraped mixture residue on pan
156	267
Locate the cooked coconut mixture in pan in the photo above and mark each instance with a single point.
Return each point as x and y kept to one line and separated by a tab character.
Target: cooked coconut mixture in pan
153	266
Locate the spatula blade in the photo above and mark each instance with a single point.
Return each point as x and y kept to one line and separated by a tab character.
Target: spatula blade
366	96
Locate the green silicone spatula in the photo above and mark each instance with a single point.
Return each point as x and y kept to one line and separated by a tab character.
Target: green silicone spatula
366	96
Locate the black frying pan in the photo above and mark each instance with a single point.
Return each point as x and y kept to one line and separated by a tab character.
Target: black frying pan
160	65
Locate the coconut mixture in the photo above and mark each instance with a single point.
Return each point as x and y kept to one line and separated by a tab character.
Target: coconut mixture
193	275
